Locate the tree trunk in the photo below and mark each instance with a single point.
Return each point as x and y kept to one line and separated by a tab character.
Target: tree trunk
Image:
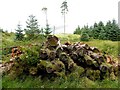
64	23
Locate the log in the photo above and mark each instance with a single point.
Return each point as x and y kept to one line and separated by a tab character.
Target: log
100	60
43	54
70	48
95	50
71	65
116	70
112	76
111	69
43	64
59	66
104	68
60	74
51	55
66	49
50	68
89	53
52	41
81	52
82	45
80	70
58	51
94	56
96	74
89	72
95	65
64	58
105	75
81	61
33	70
67	43
88	60
74	56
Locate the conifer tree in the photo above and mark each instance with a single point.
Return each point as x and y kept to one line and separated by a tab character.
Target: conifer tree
19	33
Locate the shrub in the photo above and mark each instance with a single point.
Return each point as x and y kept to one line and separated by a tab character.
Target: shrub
31	55
84	37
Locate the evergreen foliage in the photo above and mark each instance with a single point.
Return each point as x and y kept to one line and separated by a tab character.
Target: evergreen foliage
99	30
84	36
47	30
19	33
32	28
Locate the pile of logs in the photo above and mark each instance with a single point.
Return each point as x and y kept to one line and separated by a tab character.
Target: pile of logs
56	59
94	64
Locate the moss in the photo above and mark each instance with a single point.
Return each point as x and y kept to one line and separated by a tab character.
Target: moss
33	70
43	64
112	76
59	66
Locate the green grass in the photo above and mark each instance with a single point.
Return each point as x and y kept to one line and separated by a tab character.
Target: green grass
107	46
110	47
36	82
68	37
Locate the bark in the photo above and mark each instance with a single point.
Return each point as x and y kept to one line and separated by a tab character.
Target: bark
103	68
81	52
58	51
74	56
94	55
64	58
88	59
52	55
71	65
100	60
59	66
112	76
43	54
94	49
33	70
96	74
95	65
52	40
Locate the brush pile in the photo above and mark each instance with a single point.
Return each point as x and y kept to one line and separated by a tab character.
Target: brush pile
54	59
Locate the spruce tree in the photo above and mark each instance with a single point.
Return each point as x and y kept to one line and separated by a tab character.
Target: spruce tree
47	30
114	31
19	33
77	30
32	28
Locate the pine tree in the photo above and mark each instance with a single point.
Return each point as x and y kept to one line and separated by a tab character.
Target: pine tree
112	30
19	33
97	29
32	28
47	30
77	30
102	35
64	11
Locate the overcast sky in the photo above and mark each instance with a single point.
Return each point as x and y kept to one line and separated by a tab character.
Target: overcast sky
81	12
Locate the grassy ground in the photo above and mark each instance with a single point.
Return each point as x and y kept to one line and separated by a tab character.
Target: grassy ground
71	82
36	82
